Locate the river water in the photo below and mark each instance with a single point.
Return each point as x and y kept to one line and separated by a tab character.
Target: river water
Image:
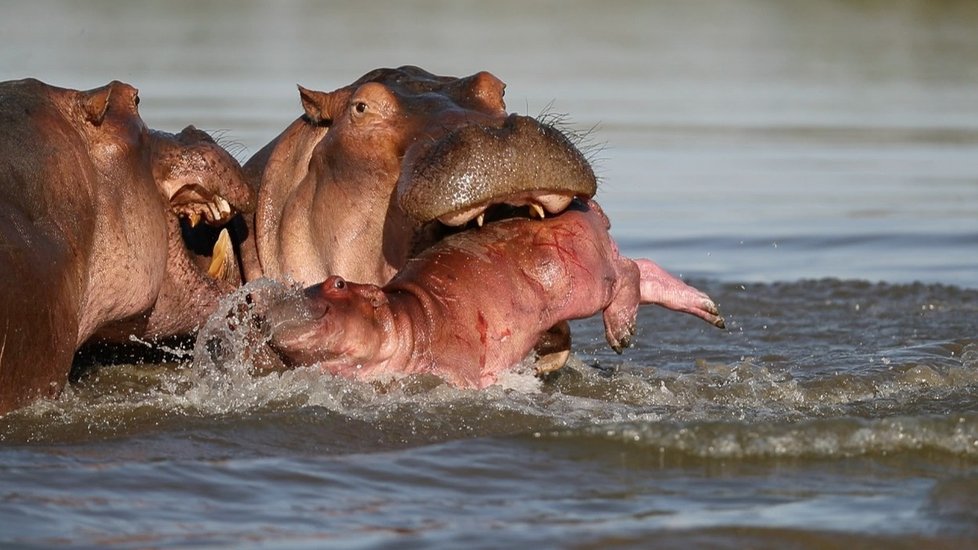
811	165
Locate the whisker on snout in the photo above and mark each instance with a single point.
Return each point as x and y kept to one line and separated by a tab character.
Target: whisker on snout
235	148
583	139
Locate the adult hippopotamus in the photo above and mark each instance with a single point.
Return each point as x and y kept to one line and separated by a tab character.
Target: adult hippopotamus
328	197
475	304
89	237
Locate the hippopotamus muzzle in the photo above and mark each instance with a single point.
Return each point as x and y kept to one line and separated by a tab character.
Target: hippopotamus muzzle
518	161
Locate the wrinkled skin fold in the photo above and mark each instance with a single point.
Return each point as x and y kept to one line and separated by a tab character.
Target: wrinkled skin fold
89	231
474	305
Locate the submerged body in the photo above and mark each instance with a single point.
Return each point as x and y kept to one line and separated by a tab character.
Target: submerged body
475	304
89	235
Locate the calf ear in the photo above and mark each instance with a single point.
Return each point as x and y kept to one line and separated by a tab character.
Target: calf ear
317	106
95	103
376	296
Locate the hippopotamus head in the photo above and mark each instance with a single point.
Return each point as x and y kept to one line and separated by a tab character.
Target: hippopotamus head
334	321
205	190
353	186
196	180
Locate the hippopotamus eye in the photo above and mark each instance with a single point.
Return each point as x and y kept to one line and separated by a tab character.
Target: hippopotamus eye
339	284
360	107
135	100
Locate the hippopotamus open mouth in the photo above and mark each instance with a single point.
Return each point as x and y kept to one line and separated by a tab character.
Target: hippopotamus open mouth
203	184
517	161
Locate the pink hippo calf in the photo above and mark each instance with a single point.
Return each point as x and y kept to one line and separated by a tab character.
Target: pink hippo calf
475	304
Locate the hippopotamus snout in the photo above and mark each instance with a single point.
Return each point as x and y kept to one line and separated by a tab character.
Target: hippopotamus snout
199	178
332	318
517	160
307	307
319	297
297	319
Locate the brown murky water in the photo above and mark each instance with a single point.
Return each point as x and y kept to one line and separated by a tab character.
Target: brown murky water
813	166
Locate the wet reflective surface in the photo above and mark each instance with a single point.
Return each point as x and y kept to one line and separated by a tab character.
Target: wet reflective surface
813	167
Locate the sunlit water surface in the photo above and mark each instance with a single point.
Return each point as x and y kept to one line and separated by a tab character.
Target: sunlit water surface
812	166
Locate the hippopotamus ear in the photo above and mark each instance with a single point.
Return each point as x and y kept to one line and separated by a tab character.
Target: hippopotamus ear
95	103
317	106
376	296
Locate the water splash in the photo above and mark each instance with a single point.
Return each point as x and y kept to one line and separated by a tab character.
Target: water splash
775	369
231	352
